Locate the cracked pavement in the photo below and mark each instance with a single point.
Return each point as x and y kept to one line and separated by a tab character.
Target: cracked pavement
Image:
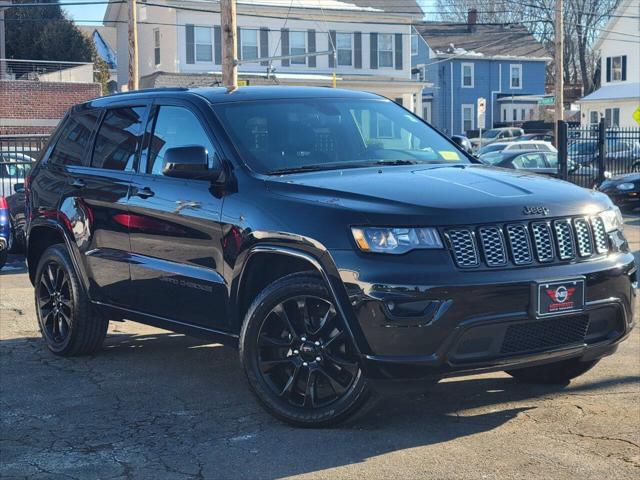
153	404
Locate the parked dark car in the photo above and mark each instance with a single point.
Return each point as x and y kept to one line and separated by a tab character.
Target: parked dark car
463	142
335	238
503	134
624	190
621	156
5	231
544	136
17	218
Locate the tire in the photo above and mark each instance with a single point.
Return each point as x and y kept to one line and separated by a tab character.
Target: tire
553	373
3	257
302	367
68	322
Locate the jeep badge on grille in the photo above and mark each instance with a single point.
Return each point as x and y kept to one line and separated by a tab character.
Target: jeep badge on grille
535	211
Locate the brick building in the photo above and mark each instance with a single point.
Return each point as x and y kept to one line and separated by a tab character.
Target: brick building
32	107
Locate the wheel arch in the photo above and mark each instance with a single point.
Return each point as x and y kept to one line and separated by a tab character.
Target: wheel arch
40	237
268	262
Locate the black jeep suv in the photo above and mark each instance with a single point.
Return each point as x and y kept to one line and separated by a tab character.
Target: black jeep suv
332	236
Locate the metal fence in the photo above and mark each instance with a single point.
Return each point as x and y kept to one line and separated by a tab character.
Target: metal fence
46	70
17	155
588	155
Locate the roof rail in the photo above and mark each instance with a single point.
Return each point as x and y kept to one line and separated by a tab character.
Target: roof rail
148	90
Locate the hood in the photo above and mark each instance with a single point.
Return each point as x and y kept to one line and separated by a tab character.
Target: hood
438	195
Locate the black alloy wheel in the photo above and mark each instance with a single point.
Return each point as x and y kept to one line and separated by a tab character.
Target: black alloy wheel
54	301
304	353
69	323
298	354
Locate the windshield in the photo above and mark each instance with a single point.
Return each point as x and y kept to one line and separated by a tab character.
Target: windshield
580	148
285	135
491	134
492	158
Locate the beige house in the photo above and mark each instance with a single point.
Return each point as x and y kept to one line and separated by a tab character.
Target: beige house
619	48
180	45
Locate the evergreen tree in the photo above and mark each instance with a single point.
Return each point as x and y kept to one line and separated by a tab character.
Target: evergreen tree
44	33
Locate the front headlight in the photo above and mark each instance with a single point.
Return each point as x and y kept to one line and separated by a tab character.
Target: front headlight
625	186
395	240
612	219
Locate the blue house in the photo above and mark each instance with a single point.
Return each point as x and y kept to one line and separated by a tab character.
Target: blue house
462	62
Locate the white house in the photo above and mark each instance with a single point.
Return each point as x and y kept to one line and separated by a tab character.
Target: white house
180	45
619	48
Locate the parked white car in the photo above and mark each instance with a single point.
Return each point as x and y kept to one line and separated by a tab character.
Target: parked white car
538	145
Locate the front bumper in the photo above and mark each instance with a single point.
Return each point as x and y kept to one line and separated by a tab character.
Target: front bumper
624	198
421	317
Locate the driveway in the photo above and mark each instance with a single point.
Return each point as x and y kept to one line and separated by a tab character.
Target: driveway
158	405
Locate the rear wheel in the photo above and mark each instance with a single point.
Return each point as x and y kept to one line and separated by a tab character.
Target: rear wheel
68	323
298	356
553	373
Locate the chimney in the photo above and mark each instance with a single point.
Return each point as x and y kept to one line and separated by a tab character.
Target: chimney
472	19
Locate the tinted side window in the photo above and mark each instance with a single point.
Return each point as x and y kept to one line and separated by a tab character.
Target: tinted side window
529	160
118	139
175	127
74	139
552	159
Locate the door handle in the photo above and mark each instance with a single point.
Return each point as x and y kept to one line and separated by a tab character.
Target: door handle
78	183
145	192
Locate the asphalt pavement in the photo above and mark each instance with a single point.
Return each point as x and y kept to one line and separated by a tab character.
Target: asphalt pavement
153	404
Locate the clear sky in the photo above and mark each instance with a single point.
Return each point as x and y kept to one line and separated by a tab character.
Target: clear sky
85	12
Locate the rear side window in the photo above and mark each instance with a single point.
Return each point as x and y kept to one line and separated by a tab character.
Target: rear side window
175	127
118	139
74	139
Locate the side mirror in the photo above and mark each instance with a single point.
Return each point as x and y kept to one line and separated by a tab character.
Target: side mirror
190	162
18	187
463	143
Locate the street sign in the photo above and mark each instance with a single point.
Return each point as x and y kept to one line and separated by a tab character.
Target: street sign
636	115
547	100
482	108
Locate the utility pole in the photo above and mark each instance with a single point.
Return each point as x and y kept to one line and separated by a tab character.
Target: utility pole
229	43
559	40
133	46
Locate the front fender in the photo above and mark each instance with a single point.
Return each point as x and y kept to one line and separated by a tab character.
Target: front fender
318	258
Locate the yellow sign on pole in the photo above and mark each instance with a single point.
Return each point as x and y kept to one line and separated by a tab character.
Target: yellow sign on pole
636	115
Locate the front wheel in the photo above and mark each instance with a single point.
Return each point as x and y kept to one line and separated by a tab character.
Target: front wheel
553	373
298	355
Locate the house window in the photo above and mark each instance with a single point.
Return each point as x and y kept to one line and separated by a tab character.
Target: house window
203	44
298	46
514	114
616	69
523	114
385	50
612	117
467	75
467	117
594	117
531	113
249	42
156	46
345	48
504	114
414	44
515	75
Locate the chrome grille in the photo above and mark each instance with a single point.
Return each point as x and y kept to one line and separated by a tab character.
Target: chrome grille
495	253
564	239
464	247
520	244
543	241
599	235
527	243
583	237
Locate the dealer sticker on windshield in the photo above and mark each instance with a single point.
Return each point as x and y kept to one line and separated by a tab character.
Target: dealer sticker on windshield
556	298
449	155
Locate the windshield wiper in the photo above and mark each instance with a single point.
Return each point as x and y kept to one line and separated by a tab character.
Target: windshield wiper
396	162
301	168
